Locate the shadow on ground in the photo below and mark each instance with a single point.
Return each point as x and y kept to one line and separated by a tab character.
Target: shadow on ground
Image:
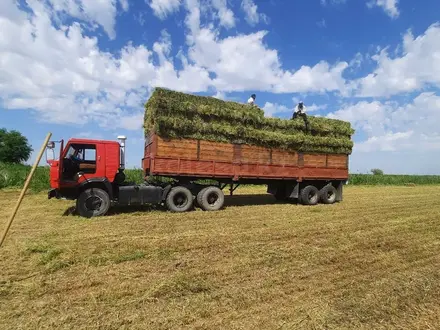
230	201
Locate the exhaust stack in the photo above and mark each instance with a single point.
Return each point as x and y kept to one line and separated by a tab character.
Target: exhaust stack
122	139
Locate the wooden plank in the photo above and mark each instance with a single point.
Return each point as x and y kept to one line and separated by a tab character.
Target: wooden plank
177	148
337	161
284	158
255	155
314	160
220	152
237	153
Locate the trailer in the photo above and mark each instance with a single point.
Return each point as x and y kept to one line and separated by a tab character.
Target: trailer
196	172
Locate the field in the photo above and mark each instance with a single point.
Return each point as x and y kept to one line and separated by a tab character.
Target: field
370	262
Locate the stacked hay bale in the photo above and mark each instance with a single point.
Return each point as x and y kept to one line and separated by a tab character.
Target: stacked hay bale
173	114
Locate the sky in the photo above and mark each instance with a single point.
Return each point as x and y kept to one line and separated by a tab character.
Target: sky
83	68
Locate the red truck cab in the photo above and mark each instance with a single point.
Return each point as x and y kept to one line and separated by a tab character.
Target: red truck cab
92	158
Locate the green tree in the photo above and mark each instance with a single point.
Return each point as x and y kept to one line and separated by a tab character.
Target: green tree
14	147
377	171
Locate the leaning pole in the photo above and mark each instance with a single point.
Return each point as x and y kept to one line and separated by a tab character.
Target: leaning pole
25	187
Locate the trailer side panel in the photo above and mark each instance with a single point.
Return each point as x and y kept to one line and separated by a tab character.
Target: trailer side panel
204	159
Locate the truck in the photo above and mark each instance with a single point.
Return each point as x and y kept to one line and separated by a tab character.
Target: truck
183	174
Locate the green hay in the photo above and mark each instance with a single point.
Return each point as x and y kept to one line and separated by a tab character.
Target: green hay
178	115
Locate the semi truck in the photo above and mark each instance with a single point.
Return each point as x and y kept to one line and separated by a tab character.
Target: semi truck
196	173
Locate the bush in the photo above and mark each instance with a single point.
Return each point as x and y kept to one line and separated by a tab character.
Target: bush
377	171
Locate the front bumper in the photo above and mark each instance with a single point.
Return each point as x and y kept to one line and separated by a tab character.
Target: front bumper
53	193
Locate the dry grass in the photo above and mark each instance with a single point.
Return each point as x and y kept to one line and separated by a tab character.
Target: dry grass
369	262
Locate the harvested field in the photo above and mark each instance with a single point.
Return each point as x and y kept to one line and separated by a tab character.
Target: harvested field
370	262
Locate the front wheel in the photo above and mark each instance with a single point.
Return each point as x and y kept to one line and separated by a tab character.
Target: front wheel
93	202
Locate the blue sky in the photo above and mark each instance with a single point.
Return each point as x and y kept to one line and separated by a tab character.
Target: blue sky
80	68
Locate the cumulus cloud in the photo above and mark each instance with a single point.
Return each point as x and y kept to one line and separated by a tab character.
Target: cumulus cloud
163	8
417	67
270	109
229	59
78	83
225	15
252	16
389	6
102	12
391	126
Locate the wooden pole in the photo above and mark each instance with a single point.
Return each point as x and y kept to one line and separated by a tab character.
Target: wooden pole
25	187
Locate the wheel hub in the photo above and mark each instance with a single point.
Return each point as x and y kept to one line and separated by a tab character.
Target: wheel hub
93	203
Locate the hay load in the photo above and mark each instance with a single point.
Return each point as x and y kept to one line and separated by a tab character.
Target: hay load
173	114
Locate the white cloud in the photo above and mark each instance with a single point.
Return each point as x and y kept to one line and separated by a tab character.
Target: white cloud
225	15
251	12
393	127
58	71
124	4
101	12
387	142
316	107
270	109
417	68
220	96
163	8
64	75
389	6
332	2
230	58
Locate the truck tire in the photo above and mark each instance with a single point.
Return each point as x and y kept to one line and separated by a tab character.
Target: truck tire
179	199
93	202
309	195
327	195
211	199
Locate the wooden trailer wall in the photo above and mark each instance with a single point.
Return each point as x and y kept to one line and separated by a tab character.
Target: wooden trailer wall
199	158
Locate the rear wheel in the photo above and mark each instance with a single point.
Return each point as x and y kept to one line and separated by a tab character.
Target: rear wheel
179	199
309	195
327	195
93	202
211	199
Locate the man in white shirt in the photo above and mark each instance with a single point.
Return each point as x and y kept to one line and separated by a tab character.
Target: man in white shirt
251	100
300	110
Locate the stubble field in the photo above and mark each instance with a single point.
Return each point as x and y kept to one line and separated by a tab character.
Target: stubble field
370	262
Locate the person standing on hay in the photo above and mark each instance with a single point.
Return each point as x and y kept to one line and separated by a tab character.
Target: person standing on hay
251	100
300	110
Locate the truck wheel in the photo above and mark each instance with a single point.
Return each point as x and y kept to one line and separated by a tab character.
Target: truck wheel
93	202
199	197
211	199
327	195
179	199
309	195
